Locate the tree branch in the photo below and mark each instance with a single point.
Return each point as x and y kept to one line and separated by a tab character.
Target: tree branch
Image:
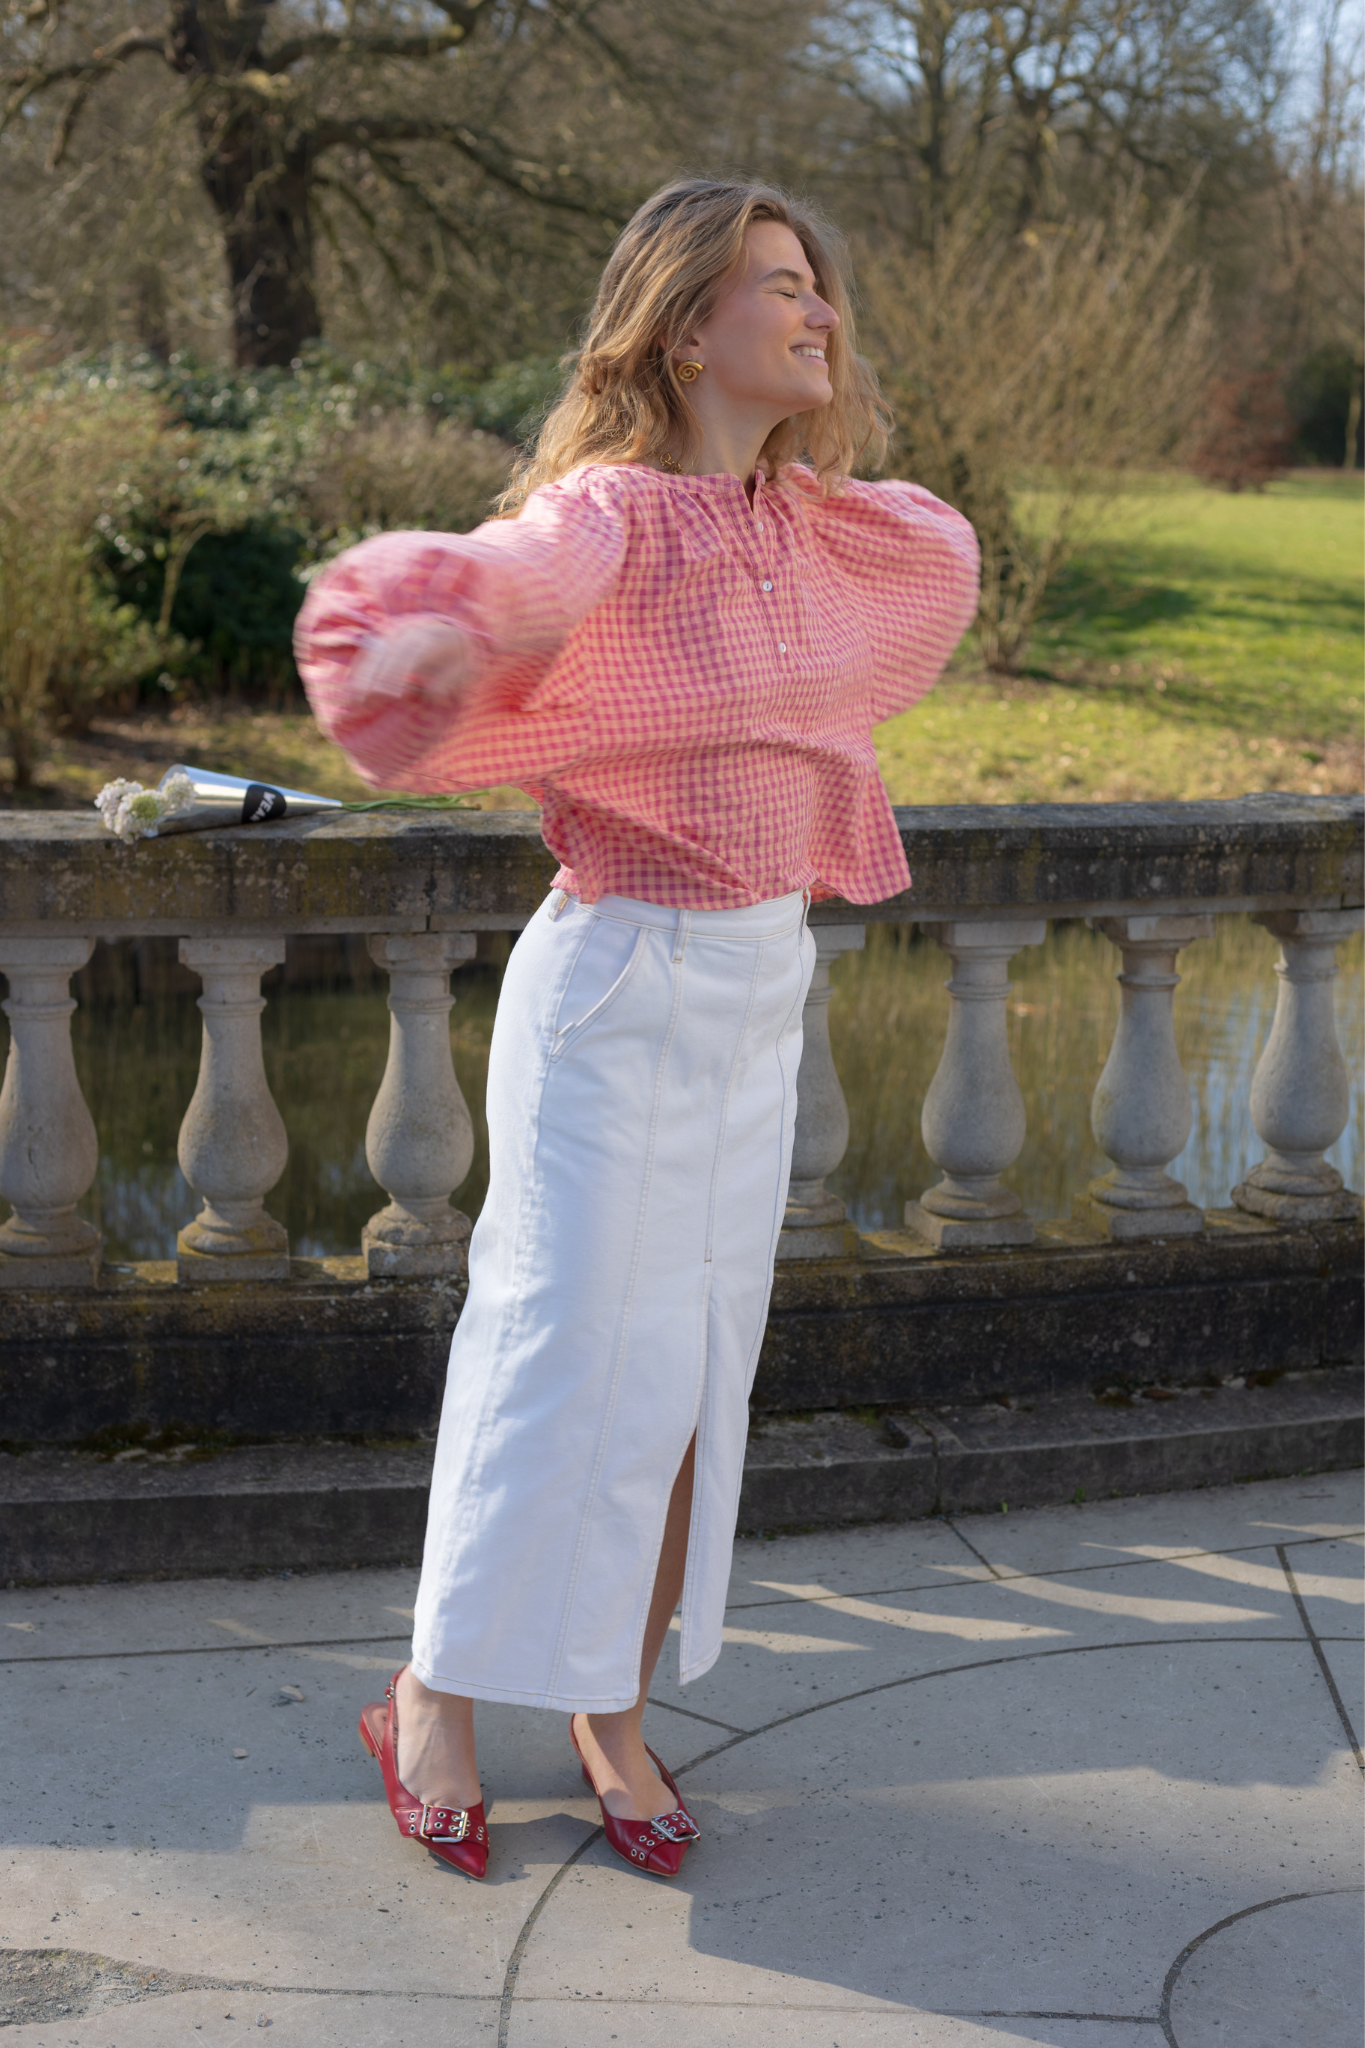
326	42
397	174
70	115
36	77
371	226
383	128
85	71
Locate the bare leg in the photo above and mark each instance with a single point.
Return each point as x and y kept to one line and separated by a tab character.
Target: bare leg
435	1749
614	1744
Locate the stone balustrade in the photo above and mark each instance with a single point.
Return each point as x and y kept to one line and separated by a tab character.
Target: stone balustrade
1151	877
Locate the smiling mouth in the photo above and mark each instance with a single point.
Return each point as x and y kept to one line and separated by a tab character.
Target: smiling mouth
816	354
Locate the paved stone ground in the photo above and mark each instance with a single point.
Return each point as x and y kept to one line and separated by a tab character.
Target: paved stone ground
1086	1777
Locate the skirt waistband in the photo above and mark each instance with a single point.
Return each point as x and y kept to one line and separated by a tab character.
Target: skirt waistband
747	921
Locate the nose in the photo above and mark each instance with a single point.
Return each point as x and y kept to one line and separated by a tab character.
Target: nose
822	317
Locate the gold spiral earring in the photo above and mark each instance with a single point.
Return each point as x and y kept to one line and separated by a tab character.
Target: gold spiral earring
688	373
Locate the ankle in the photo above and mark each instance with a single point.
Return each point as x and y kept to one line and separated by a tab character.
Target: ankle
435	1743
411	1688
614	1734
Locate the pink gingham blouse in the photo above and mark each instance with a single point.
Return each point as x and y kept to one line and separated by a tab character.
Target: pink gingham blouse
686	682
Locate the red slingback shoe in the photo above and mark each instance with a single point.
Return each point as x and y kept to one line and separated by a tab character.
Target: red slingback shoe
457	1834
657	1845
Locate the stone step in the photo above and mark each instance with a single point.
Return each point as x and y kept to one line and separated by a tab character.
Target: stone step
958	1459
68	1515
332	1352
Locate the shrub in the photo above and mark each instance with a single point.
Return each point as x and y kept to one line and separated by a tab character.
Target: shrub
288	467
397	471
75	469
1027	376
1248	431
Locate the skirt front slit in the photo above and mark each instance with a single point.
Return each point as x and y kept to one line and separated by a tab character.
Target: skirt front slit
641	1106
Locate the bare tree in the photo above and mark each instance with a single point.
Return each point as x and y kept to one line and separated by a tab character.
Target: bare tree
1320	282
1032	109
1028	376
274	97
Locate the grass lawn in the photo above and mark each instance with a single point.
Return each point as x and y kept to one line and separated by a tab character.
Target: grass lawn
1202	644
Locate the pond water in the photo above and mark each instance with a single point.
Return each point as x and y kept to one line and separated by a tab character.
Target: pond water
325	1050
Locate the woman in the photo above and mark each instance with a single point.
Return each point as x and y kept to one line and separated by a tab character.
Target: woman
680	645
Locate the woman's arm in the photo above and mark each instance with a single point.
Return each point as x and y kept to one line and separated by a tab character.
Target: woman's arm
425	655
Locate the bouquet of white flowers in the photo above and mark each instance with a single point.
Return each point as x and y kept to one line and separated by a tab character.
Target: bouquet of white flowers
133	812
188	799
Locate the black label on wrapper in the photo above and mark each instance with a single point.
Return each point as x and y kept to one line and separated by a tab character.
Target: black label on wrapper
261	802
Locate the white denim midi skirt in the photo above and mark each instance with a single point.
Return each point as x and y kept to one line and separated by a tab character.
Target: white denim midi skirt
641	1105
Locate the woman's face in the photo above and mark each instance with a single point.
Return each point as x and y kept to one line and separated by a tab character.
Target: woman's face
764	345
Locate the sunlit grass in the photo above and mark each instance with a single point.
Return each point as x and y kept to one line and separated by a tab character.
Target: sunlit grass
1202	644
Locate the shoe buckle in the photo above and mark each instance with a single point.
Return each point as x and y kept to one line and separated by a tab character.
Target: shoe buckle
436	1824
678	1826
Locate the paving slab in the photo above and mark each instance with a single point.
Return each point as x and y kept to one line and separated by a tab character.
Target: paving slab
1344	1662
1284	1976
940	1806
1077	1849
1213	1518
139	1832
596	2023
885	1554
815	1645
1330	1578
227	2018
209	1614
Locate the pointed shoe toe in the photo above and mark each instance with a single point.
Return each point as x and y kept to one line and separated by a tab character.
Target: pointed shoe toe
654	1846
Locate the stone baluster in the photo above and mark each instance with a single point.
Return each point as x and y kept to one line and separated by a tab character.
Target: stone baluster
1141	1113
419	1141
973	1117
1300	1092
232	1146
48	1148
816	1223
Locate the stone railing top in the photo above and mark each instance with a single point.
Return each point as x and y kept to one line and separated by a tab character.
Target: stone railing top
390	871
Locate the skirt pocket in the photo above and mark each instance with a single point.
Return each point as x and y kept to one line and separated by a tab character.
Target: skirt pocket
606	961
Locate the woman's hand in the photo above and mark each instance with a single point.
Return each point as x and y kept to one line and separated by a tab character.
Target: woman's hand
424	656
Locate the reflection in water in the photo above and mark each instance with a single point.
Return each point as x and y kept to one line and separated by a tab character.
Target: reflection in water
325	1052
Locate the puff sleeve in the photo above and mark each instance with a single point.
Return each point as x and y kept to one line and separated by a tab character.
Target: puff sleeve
429	658
914	569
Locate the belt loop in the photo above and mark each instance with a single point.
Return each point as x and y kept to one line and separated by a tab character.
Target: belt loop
684	926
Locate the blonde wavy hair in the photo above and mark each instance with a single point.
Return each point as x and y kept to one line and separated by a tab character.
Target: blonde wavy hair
624	401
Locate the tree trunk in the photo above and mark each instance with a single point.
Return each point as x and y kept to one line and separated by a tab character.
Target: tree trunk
259	189
256	168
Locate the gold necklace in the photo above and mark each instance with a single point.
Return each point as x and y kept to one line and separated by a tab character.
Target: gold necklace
671	464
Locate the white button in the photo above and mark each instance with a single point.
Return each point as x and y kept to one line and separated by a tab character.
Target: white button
767	586
781	646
